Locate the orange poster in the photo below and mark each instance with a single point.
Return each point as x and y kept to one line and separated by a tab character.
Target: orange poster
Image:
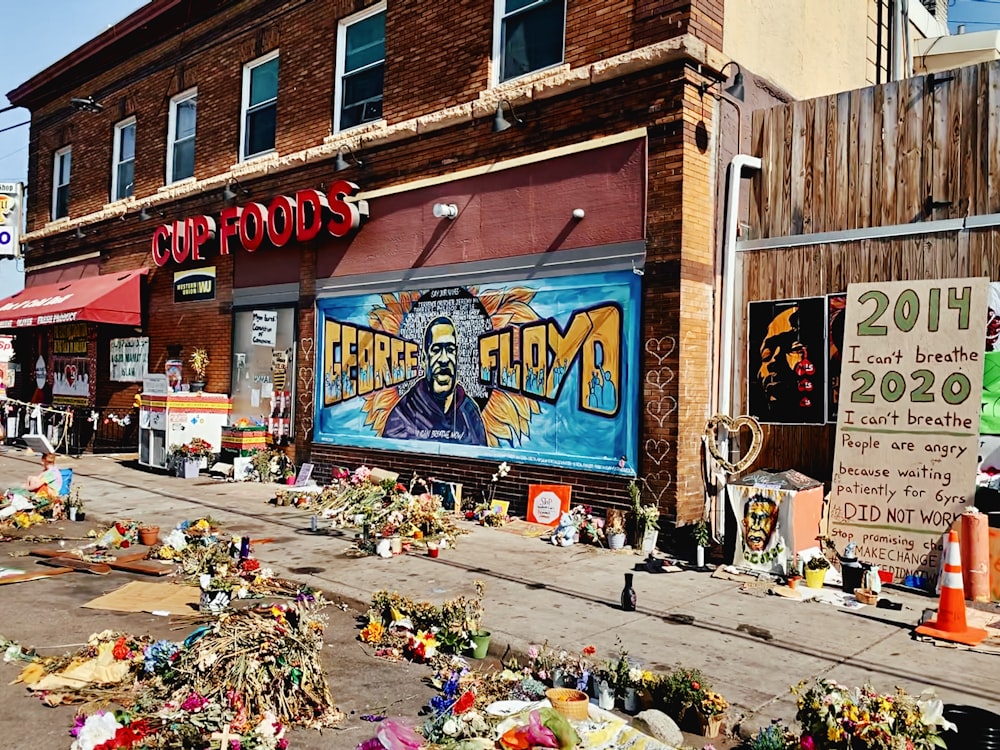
547	502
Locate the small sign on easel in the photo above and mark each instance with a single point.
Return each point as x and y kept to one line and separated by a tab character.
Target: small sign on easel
304	475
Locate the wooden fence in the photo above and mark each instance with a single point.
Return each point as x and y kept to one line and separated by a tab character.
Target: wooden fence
918	150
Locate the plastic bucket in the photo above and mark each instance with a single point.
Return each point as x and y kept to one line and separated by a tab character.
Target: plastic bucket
853	577
978	729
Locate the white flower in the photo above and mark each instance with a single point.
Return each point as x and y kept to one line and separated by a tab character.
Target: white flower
98	728
504	469
496	478
206	660
932	713
450	727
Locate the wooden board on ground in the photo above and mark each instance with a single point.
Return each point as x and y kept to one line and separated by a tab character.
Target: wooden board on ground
147	596
97	569
33	575
525	528
131	562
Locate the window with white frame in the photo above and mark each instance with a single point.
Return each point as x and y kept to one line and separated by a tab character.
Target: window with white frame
61	165
530	36
123	160
180	136
360	67
260	106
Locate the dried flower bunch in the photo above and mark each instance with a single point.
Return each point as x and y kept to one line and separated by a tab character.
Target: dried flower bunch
199	362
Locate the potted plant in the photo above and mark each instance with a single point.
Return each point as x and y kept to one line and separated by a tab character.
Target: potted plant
199	363
473	625
614	528
713	707
149	534
189	457
816	568
74	507
701	540
628	681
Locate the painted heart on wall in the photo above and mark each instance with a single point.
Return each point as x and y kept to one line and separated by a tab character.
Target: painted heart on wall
734	426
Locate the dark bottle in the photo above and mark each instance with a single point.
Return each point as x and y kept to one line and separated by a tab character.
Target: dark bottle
628	594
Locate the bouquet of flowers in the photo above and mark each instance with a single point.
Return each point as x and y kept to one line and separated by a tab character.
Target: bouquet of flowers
713	704
196	448
835	717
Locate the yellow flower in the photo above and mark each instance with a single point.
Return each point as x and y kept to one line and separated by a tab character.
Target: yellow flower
372	632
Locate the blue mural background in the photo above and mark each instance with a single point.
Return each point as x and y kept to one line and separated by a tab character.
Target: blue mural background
560	432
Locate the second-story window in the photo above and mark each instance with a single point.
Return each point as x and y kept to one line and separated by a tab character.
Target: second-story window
360	67
260	106
180	136
62	162
123	173
530	36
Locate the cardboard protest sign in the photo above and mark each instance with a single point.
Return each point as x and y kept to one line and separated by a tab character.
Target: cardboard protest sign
908	419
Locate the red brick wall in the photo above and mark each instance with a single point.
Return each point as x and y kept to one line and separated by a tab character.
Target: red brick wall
428	70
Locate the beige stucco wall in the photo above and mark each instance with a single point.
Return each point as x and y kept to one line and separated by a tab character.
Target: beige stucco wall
808	47
813	47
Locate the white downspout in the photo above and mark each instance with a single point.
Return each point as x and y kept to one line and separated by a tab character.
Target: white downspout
725	397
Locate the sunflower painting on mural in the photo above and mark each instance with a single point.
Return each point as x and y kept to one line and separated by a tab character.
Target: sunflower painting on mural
537	371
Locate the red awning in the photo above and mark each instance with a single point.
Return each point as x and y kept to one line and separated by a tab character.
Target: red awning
111	298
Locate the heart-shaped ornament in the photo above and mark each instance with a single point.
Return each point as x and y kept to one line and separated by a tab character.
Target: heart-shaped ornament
733	426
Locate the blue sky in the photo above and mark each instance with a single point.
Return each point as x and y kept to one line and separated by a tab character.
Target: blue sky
37	34
977	15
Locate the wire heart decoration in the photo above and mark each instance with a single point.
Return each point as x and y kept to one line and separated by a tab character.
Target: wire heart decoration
733	426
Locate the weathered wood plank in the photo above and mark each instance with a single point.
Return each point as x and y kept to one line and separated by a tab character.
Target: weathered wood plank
993	138
808	140
841	170
866	136
890	104
853	160
878	162
758	187
820	185
796	169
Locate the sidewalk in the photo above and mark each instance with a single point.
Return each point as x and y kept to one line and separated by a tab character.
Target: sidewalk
751	648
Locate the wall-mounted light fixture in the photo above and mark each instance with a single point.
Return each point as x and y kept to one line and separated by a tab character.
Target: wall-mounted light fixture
579	213
145	215
229	192
445	211
340	163
735	89
80	234
86	104
500	123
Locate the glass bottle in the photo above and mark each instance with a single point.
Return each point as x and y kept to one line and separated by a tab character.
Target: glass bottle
628	594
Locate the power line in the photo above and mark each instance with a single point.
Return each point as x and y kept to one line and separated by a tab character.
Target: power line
11	127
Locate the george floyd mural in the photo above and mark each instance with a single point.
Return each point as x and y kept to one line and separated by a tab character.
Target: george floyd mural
539	372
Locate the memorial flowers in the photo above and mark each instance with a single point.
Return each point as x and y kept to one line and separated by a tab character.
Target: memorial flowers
836	717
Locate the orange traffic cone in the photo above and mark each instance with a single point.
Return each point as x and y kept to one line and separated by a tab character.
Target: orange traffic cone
950	624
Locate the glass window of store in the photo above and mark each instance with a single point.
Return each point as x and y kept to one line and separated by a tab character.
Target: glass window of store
361	67
529	36
180	136
260	106
123	173
62	161
263	371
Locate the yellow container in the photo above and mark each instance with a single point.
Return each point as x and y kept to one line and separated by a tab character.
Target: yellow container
814	578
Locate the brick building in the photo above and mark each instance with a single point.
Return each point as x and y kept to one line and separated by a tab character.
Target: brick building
420	236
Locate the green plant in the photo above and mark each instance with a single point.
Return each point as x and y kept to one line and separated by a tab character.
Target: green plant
817	563
700	533
683	688
74	500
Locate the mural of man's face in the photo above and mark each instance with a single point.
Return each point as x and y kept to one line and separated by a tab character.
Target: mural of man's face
441	353
780	352
758	523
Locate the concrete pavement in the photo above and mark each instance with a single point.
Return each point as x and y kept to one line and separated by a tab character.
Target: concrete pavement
751	648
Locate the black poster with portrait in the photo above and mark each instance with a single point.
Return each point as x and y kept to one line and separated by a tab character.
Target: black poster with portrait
786	356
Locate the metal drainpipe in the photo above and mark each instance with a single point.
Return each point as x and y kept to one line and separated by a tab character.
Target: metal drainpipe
724	400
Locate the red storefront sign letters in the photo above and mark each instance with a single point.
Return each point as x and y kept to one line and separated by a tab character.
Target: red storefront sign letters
302	217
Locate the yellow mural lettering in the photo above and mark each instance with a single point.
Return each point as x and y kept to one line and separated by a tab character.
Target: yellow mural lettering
359	360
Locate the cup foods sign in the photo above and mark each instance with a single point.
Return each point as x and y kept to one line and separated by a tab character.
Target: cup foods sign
301	217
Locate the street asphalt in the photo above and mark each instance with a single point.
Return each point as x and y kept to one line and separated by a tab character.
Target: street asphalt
751	647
